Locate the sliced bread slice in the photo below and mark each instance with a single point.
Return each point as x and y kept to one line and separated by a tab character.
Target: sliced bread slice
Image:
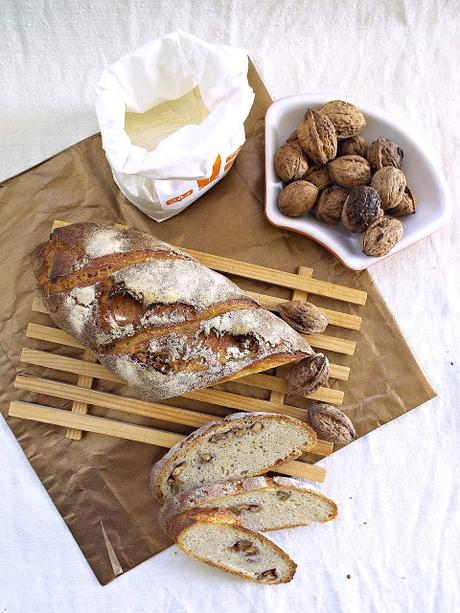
261	503
240	445
217	538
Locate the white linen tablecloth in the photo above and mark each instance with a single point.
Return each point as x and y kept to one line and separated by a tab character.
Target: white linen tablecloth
395	544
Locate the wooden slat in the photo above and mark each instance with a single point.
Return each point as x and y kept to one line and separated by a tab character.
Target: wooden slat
77	405
58	336
300	295
279	396
132	406
133	432
330	343
272	276
279	277
78	367
242	403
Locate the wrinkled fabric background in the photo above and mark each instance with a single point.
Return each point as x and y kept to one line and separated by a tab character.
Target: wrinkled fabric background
396	533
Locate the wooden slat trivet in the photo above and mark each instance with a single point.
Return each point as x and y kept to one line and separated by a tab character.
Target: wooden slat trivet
88	370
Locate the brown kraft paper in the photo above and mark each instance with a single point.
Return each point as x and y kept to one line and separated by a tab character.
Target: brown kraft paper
100	484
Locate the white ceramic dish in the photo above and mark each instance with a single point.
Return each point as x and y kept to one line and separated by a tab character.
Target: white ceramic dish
426	181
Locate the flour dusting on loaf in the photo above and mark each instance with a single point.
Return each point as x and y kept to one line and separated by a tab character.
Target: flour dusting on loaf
155	316
170	281
104	242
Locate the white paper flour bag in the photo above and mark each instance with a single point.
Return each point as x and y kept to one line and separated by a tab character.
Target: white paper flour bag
171	116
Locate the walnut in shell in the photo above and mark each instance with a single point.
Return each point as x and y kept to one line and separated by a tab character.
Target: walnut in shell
297	198
303	316
317	137
356	145
290	162
346	118
308	375
361	208
381	236
384	152
319	176
331	424
390	184
350	170
406	206
328	207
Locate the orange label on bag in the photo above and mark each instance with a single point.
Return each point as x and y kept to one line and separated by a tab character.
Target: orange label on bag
179	198
215	173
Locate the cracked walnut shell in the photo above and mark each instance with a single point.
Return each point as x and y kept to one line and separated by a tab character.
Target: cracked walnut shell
297	198
290	162
361	208
303	317
317	136
308	375
383	152
347	120
329	205
350	171
381	236
390	184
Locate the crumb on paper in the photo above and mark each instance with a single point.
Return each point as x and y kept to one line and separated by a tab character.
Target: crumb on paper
348	576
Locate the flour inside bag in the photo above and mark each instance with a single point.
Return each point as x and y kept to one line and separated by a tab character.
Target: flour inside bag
171	116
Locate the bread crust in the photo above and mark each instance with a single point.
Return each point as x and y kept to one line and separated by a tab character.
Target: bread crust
210	495
162	468
154	315
215	516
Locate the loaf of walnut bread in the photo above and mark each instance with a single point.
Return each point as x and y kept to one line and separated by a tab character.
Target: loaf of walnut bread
155	316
